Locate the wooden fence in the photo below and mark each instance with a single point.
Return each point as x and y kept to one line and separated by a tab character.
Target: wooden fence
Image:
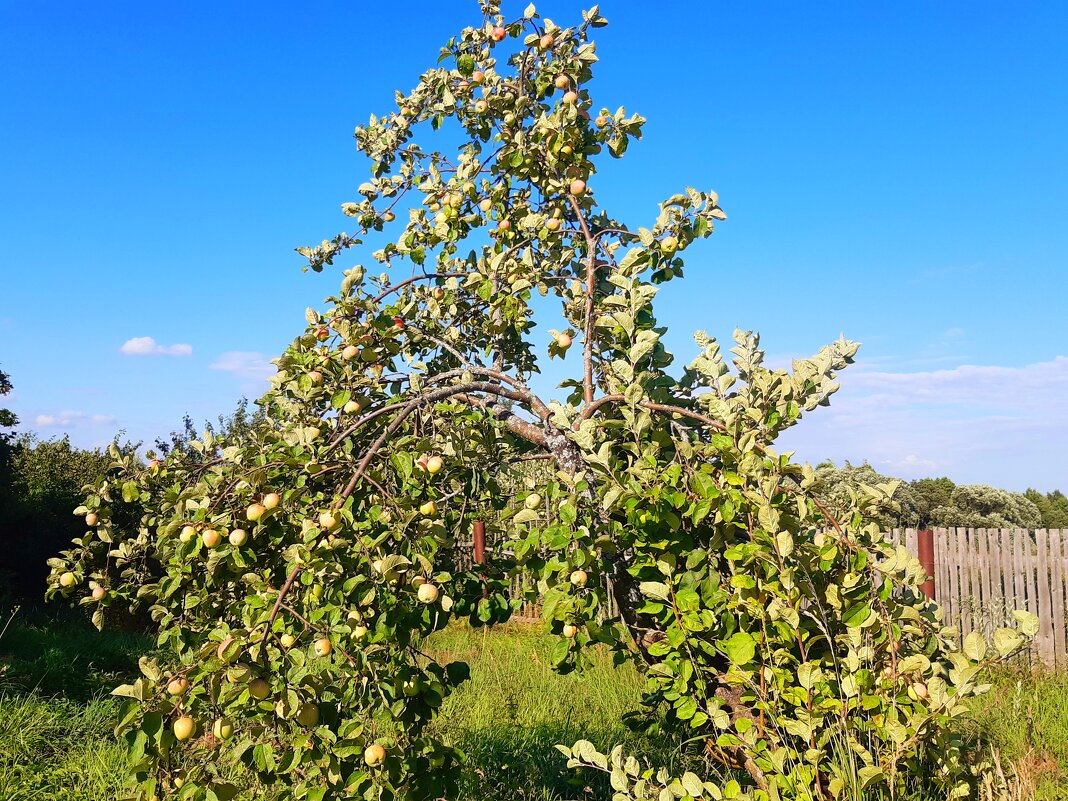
980	576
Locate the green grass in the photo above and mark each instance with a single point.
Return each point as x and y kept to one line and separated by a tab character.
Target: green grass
56	720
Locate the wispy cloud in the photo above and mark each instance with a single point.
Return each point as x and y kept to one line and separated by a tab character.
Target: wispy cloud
147	346
69	419
245	364
976	423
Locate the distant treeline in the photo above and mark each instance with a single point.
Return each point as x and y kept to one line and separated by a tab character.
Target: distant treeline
929	502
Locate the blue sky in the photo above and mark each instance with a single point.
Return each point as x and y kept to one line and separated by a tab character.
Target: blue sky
895	172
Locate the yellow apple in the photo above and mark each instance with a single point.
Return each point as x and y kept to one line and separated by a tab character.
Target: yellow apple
211	538
91	519
427	593
287	640
374	754
68	579
223	729
434	465
184	727
271	500
255	511
323	646
570	630
579	578
187	534
178	686
428	509
533	501
238	537
350	352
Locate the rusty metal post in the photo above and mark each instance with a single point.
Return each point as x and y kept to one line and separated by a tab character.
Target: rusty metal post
926	554
478	532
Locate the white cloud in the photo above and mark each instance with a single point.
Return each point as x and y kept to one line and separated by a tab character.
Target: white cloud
147	346
975	423
69	419
246	364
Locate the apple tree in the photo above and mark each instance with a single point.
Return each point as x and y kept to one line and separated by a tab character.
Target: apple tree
295	567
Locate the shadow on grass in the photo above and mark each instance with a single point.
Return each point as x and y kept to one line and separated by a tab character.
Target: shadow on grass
64	655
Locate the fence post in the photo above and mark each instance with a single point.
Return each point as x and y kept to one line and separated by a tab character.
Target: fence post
926	554
478	532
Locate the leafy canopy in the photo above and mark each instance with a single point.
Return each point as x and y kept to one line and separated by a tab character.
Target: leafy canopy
295	568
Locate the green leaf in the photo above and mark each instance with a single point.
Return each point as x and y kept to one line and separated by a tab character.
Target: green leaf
857	614
975	646
655	589
1006	641
1027	621
740	648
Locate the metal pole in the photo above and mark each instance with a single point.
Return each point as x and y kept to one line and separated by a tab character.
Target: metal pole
479	535
925	546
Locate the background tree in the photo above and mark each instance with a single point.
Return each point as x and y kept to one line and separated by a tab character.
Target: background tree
1053	507
305	558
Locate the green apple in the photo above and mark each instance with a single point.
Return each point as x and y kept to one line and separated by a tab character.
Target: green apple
308	714
68	579
223	729
259	689
532	501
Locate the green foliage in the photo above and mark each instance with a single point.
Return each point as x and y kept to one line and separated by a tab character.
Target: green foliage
976	505
1053	507
7	417
930	502
43	481
506	719
296	566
